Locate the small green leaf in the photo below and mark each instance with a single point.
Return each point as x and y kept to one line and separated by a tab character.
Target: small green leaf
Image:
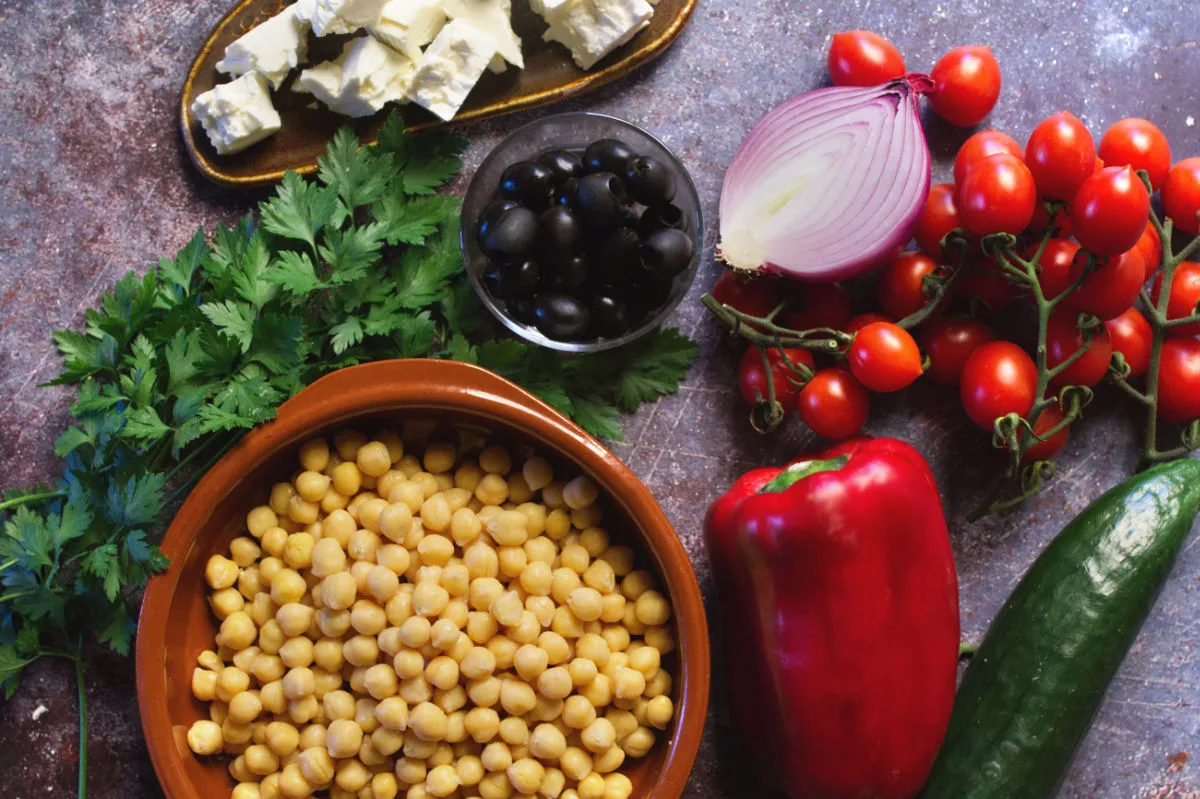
295	272
357	175
118	632
299	209
411	221
346	334
233	319
351	252
11	666
144	426
596	416
181	271
72	439
137	501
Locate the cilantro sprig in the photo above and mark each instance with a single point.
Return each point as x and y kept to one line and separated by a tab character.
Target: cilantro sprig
361	263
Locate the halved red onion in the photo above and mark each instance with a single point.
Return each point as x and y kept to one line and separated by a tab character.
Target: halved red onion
828	185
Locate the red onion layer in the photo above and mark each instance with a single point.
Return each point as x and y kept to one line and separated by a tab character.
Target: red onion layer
828	185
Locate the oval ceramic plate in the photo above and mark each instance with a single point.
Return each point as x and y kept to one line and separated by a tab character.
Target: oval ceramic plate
549	75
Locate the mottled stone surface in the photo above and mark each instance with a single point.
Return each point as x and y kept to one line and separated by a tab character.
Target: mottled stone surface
93	183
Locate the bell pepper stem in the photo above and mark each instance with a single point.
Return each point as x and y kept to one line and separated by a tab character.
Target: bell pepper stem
798	471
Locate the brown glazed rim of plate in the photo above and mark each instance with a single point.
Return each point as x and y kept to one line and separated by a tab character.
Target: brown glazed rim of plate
618	69
420	384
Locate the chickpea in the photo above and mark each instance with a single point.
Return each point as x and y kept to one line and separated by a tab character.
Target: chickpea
558	524
617	637
442	781
363	546
205	738
249	583
204	684
547	742
531	661
580	492
428	722
298	683
246	790
566	623
381	681
450	701
599	575
373	459
352	776
231	681
507	609
492	489
367	618
586	518
435	550
583	672
517	698
526	630
411	770
245	707
343	738
220	572
442	673
429	599
469	769
512	561
280	494
653	609
485	692
392	713
288	586
537	473
526	776
245	658
556	646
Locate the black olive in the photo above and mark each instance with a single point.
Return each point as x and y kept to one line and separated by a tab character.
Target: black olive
561	317
646	295
528	183
667	252
599	201
620	255
523	311
508	281
658	218
490	213
511	236
609	316
649	181
629	217
567	194
607	155
561	232
568	275
563	164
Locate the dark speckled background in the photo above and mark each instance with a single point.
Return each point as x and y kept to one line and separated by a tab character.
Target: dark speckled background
93	183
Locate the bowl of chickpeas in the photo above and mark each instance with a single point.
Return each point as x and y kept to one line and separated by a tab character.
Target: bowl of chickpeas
421	581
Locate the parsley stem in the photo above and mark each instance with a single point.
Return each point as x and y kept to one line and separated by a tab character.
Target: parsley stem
83	721
189	458
8	564
198	473
25	500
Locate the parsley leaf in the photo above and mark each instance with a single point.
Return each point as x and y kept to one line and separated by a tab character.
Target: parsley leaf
299	209
233	319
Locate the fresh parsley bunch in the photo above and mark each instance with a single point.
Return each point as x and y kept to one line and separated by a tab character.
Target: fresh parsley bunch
360	264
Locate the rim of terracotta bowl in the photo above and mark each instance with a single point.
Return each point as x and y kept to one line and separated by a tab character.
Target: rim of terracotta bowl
415	384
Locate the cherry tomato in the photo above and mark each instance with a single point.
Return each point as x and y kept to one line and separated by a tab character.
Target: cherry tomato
1179	380
998	379
862	320
1058	257
1110	211
1140	144
987	284
900	285
938	218
966	85
819	305
1110	290
834	404
949	343
752	378
1185	296
1041	220
1149	246
1132	337
1061	155
997	196
1063	339
884	357
980	146
756	296
862	58
1047	448
1181	195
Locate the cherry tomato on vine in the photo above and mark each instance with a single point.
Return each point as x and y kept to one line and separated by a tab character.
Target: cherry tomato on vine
752	377
1179	380
884	357
981	145
1042	220
1181	195
901	284
1047	448
756	296
1140	144
1064	339
817	305
987	284
998	379
949	343
938	218
1110	211
966	85
862	320
1058	258
1110	290
834	404
862	58
997	196
1149	246
1185	296
1061	155
1132	337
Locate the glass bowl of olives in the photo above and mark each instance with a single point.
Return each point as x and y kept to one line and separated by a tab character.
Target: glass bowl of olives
581	232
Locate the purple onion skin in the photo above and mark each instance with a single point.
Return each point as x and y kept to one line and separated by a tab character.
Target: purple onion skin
885	251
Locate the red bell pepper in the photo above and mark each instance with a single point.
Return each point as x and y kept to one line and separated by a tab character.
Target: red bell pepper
840	601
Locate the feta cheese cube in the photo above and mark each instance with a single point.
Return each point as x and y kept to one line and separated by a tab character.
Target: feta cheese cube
591	29
550	10
238	114
273	48
362	80
409	25
341	16
493	17
451	67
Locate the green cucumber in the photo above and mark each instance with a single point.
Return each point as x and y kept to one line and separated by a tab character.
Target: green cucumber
1033	688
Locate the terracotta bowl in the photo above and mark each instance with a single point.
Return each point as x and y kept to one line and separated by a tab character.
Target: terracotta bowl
452	399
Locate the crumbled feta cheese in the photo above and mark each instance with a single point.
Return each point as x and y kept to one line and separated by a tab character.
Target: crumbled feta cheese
451	67
342	16
372	76
493	17
273	48
550	10
409	25
324	80
238	114
591	29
